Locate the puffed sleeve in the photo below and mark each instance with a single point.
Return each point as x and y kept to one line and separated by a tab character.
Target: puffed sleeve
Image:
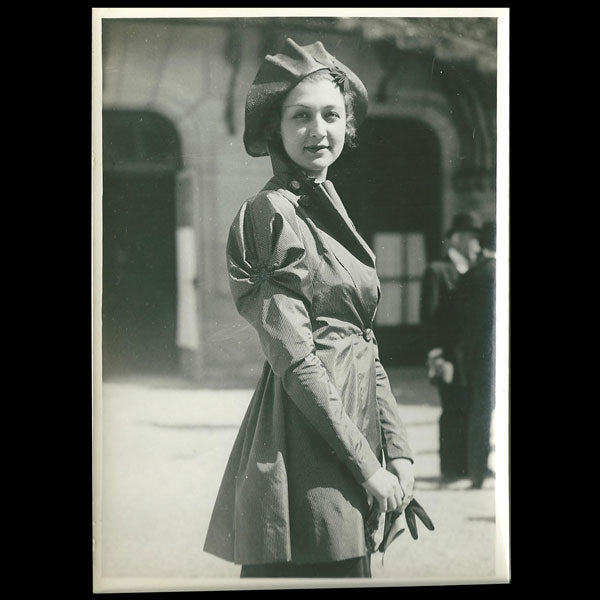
272	289
395	436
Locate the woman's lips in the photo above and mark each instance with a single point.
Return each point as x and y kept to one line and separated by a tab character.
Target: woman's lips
315	149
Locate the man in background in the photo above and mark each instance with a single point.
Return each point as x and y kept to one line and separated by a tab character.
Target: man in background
443	341
475	302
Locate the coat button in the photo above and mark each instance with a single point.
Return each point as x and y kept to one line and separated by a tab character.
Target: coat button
368	334
295	185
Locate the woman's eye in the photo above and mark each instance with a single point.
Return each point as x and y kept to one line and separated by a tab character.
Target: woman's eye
301	115
332	116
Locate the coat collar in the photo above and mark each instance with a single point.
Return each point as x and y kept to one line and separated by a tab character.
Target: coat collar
301	190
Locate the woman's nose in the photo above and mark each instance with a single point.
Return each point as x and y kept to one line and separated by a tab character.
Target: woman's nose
317	128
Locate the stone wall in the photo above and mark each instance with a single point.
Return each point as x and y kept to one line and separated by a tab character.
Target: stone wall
197	73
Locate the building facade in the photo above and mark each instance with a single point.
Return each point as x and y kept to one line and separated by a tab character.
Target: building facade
175	173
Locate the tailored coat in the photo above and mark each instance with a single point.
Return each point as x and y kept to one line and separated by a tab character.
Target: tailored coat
438	309
323	418
475	300
441	329
475	306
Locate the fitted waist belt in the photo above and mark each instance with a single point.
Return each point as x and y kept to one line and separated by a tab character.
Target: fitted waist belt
343	330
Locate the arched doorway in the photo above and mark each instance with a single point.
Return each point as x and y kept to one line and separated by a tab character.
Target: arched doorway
391	185
141	155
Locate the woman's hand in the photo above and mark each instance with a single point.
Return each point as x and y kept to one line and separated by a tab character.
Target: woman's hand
385	488
402	468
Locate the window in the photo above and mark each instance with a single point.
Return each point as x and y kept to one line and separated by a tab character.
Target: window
400	266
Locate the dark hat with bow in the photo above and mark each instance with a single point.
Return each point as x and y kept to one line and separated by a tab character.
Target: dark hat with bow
279	73
465	221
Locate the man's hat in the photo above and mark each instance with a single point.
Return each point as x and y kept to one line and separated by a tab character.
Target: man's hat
465	221
279	73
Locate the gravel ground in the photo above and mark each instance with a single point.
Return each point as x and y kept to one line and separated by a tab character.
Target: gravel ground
161	453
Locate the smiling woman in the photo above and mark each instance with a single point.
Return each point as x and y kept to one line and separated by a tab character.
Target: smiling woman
317	115
305	488
313	125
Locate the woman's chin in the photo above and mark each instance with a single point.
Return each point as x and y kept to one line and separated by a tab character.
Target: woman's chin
316	164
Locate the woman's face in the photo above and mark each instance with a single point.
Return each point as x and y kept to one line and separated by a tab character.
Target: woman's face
313	125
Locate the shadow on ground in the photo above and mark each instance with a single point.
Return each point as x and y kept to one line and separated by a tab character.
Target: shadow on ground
409	384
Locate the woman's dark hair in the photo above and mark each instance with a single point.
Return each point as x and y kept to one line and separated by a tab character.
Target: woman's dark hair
273	122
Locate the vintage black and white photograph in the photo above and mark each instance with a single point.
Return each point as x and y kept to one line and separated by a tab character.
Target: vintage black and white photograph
300	298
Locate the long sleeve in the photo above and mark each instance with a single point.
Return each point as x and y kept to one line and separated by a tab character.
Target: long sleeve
395	437
474	301
438	310
271	285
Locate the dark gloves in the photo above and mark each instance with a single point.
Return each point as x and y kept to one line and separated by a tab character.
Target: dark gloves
415	509
392	525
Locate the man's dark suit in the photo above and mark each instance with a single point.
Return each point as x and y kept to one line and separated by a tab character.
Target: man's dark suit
475	301
440	331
